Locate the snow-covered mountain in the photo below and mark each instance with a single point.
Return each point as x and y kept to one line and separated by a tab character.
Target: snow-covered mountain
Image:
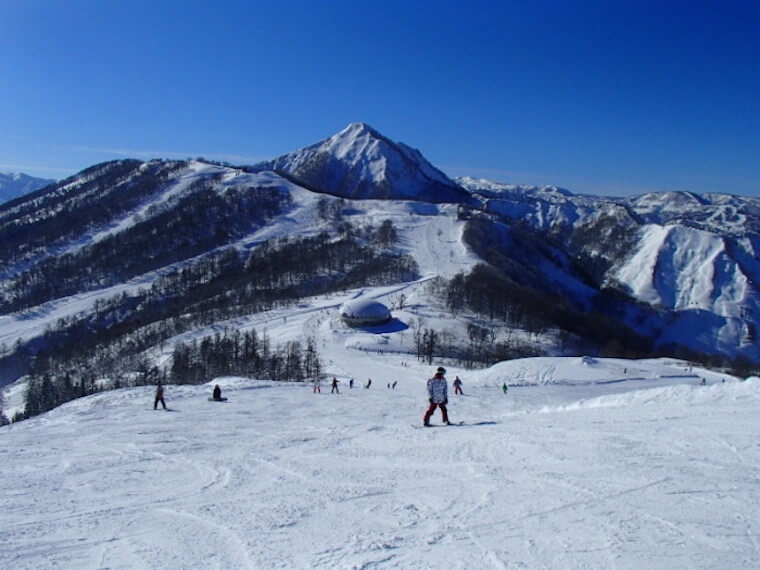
128	255
360	163
16	184
198	273
693	254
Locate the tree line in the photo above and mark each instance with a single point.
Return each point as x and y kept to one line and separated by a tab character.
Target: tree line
110	340
194	362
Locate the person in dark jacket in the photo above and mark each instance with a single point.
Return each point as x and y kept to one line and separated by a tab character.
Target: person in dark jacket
438	396
159	396
217	395
458	386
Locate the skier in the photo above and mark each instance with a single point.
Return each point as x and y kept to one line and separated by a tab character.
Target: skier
369	382
317	389
334	386
438	396
504	387
351	383
458	386
159	396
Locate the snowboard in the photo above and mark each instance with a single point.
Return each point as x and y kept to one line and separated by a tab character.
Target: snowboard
452	424
217	399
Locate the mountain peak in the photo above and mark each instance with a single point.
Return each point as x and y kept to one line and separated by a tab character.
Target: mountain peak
356	129
359	162
15	184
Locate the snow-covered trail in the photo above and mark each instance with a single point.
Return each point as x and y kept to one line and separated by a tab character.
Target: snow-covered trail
280	477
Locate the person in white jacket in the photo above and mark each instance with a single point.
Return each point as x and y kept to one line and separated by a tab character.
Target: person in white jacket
438	395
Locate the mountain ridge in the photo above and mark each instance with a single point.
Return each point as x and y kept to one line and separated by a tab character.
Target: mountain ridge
151	250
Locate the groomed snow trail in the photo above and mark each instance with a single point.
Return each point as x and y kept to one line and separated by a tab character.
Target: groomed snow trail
280	477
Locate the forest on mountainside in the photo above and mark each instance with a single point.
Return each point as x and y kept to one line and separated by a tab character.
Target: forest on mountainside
110	341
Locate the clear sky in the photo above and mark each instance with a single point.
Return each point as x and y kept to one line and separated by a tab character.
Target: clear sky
606	97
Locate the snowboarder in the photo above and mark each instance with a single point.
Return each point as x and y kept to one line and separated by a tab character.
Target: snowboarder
458	386
159	396
437	395
317	389
334	386
504	387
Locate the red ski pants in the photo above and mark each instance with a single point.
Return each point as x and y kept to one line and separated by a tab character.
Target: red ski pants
431	409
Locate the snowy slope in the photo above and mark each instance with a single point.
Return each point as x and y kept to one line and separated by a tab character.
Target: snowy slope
583	464
695	255
429	232
15	184
684	268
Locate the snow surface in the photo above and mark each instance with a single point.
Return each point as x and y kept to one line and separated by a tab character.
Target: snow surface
684	268
584	463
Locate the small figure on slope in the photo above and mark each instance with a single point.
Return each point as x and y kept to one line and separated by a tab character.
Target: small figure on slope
317	389
159	396
438	390
334	386
217	394
457	386
369	382
504	387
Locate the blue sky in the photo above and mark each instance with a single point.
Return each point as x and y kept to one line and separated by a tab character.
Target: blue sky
599	97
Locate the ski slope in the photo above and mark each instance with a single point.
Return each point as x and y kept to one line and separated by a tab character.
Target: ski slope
584	463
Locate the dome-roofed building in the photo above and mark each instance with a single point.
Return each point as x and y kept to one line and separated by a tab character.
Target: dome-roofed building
364	312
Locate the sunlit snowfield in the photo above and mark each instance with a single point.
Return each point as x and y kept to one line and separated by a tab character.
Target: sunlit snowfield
596	464
584	463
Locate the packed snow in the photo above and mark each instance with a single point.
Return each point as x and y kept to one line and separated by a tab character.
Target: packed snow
581	463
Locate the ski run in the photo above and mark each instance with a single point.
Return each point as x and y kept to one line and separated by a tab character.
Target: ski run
582	463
